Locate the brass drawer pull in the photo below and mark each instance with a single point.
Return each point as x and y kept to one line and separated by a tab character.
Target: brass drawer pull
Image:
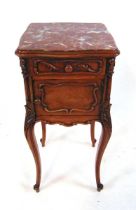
68	68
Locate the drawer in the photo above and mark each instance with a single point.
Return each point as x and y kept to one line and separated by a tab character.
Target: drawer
50	66
66	98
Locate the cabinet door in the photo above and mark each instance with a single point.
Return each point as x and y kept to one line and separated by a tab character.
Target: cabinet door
66	98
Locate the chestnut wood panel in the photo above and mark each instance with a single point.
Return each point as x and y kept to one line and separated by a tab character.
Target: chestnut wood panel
70	120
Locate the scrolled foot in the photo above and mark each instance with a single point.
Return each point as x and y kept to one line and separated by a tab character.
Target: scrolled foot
36	188
99	187
42	143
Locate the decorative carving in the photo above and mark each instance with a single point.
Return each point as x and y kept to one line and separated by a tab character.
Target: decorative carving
51	67
42	89
105	117
69	66
89	68
23	64
68	124
30	116
110	67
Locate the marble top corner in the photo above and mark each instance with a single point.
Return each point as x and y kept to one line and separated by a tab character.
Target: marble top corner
66	37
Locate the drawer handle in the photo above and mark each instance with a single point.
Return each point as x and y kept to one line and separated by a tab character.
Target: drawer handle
68	68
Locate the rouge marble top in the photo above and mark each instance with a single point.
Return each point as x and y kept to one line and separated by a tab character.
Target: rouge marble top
61	38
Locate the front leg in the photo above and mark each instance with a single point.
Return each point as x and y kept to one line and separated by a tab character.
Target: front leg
104	139
30	136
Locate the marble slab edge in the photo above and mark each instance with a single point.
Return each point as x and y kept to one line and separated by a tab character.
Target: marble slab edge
84	53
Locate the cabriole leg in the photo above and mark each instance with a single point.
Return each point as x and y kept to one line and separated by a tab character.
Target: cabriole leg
30	136
104	139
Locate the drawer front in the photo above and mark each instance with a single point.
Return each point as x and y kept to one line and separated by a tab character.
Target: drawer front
66	98
43	66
